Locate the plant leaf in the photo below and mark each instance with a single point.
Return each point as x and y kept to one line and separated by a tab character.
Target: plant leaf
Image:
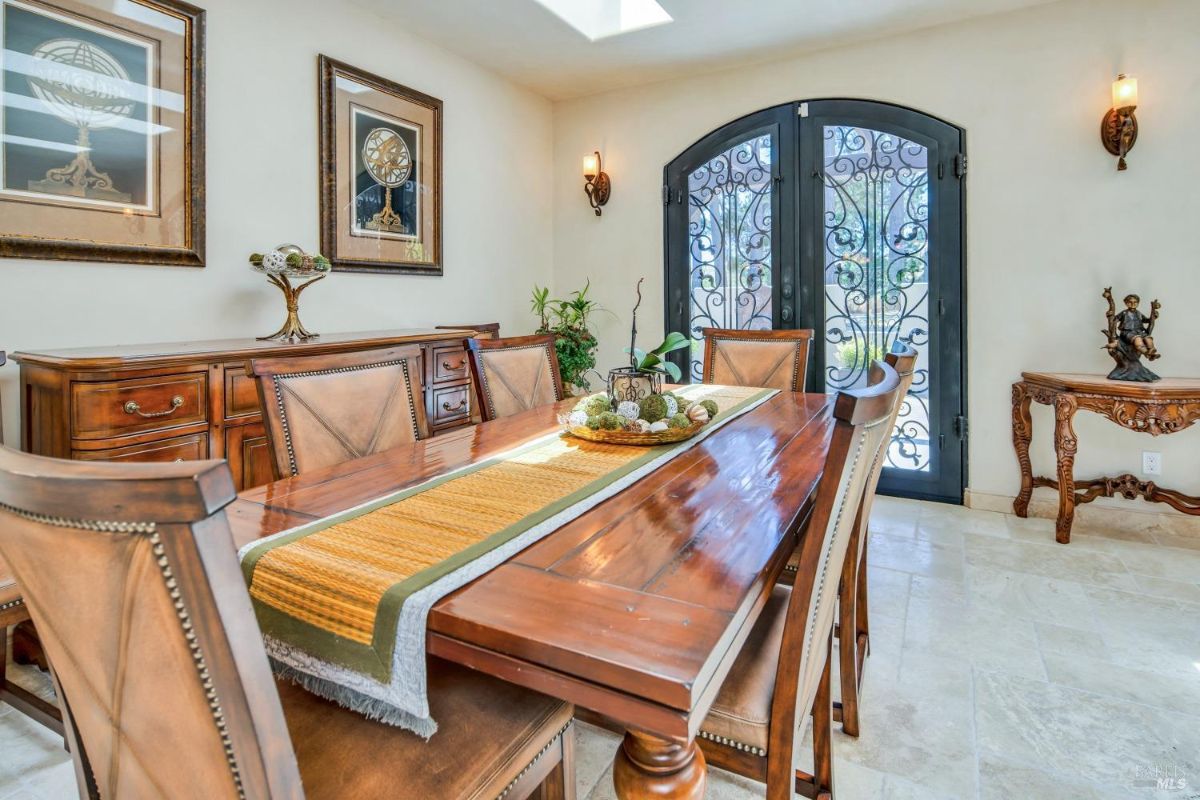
672	370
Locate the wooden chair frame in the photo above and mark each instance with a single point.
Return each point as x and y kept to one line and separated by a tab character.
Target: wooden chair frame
801	335
266	371
477	347
488	330
854	412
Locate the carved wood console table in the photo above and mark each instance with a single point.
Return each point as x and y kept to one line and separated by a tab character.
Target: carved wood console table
1166	406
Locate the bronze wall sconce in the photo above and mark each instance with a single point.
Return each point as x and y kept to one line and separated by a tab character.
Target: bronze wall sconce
1119	128
596	183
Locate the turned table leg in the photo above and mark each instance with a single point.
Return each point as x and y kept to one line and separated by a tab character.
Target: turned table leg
1065	447
648	767
1022	433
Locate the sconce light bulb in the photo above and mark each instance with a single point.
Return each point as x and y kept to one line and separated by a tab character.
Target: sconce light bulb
591	165
1125	92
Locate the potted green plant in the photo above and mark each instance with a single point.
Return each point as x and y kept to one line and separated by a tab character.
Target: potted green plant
644	375
574	343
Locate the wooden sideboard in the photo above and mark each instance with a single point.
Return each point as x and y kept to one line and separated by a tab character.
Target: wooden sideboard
193	400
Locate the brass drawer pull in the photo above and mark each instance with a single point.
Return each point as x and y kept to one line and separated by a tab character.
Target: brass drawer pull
461	404
461	365
133	408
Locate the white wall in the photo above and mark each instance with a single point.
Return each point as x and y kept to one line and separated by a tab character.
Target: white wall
1049	220
262	180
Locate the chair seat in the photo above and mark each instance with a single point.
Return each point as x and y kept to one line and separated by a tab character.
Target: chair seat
488	732
741	714
12	609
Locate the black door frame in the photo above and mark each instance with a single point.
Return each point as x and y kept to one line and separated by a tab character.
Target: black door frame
798	288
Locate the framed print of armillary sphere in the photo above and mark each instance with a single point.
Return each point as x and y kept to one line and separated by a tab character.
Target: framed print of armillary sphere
102	131
381	173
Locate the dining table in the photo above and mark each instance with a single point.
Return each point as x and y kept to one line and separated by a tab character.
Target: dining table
634	610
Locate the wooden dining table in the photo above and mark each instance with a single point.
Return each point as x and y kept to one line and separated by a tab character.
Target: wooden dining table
635	610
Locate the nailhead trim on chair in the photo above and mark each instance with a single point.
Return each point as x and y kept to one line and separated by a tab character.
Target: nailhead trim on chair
82	524
536	759
736	745
287	434
20	601
206	682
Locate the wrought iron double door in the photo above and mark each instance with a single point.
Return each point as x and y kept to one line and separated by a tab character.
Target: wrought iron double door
844	216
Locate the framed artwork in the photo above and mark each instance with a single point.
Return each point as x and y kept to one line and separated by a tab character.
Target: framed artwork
102	131
381	173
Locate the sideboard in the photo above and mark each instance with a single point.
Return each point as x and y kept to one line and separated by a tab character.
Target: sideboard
193	400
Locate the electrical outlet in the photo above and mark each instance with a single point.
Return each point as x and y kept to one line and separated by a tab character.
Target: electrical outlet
1151	463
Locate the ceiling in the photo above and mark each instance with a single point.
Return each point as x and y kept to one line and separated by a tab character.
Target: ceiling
526	43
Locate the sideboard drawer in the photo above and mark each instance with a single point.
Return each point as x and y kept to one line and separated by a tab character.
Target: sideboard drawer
447	363
449	404
241	392
182	448
102	410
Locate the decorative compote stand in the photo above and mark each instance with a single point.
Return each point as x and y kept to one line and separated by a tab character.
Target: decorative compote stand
280	265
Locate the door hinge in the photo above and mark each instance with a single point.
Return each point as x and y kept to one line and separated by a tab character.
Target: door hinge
960	165
802	110
666	195
961	427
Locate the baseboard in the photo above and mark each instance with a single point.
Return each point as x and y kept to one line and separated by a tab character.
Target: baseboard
1135	513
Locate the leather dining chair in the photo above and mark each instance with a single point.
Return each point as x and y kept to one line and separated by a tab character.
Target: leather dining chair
131	576
853	624
784	669
514	374
323	410
13	613
771	359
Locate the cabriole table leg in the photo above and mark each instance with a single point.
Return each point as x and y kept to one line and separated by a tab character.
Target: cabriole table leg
650	768
1065	447
1022	433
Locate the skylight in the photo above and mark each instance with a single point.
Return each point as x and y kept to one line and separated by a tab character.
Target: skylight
599	19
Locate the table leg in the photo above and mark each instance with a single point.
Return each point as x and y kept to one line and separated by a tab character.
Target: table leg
1065	447
648	767
1022	433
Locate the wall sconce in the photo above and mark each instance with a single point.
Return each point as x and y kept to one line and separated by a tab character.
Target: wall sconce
596	184
1119	128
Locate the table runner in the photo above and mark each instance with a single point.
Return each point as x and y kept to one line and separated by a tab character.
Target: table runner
342	602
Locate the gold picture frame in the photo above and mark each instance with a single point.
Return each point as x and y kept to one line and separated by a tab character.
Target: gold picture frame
102	131
381	173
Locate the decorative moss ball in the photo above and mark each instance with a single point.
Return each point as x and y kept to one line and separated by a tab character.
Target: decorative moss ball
596	404
610	421
684	405
679	421
593	422
711	407
653	408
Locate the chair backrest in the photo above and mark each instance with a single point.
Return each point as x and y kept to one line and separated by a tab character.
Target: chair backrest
323	410
772	359
515	374
130	575
902	359
483	330
861	422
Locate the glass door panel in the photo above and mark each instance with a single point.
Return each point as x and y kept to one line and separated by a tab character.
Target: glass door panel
729	208
876	251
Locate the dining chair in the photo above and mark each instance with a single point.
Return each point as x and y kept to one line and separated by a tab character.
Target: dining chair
131	576
514	374
771	359
784	668
323	410
483	330
854	646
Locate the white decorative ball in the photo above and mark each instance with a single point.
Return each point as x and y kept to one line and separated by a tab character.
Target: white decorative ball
628	409
661	425
672	405
645	426
577	418
274	262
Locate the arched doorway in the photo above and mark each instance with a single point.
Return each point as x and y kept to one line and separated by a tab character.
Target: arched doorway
844	216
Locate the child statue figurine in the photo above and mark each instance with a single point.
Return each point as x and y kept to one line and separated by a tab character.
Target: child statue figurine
1130	337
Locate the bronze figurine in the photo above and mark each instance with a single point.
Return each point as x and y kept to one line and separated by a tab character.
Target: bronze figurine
1130	337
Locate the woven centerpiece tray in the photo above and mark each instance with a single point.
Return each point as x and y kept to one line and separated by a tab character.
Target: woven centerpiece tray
669	436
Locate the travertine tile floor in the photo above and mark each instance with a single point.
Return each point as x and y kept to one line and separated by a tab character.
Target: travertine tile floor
1003	665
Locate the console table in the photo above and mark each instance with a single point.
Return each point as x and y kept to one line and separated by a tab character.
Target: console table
1162	407
193	400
